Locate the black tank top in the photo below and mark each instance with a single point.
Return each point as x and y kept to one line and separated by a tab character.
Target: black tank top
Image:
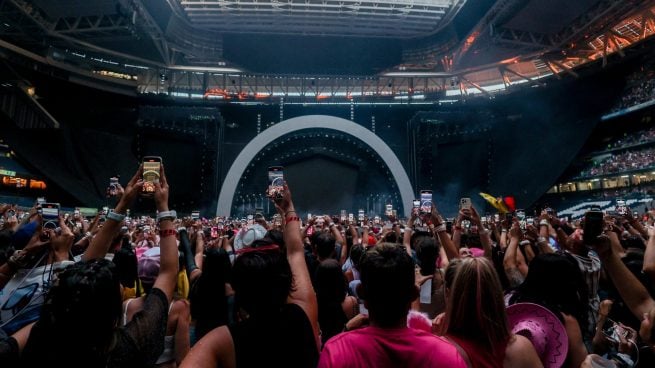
283	339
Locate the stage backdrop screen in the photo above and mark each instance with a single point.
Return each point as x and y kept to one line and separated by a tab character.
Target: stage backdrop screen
322	186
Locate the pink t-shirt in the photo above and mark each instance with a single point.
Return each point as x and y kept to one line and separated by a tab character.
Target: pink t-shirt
389	348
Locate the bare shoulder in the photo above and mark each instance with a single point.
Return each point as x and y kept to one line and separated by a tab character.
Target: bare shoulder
216	349
521	353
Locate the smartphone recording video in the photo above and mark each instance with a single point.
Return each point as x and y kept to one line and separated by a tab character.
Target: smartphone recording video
426	202
621	208
275	182
465	204
50	214
151	173
113	184
593	226
360	216
389	210
195	215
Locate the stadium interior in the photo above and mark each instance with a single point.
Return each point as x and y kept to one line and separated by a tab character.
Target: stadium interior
528	98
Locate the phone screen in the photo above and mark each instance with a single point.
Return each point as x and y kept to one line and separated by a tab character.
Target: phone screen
50	211
389	211
593	226
151	173
40	200
465	203
343	216
275	181
613	330
351	217
195	215
360	215
426	201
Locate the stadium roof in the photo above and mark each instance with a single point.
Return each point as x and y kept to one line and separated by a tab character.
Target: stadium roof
400	36
370	18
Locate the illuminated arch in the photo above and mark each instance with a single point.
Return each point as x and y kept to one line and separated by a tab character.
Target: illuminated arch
226	197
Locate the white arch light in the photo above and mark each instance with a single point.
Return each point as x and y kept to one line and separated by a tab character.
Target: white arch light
226	196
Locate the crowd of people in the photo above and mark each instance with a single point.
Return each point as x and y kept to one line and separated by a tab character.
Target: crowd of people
640	88
642	136
476	290
620	163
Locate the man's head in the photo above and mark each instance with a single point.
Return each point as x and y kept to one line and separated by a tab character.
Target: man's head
387	275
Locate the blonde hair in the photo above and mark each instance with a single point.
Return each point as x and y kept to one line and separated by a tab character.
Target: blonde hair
475	308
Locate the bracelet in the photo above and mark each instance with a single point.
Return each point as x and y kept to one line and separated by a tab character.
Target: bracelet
544	222
291	219
167	232
441	228
503	230
286	214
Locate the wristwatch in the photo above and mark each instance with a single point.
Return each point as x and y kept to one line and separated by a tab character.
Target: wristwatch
167	215
115	216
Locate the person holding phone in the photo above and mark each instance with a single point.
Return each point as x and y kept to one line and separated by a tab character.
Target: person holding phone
279	316
78	326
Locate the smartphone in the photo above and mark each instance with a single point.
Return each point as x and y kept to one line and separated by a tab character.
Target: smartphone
465	204
416	203
195	215
621	207
105	210
10	213
151	173
50	214
593	226
360	216
113	183
214	232
613	330
389	210
496	217
520	214
343	216
426	201
40	201
251	220
351	217
275	181
376	220
309	216
529	220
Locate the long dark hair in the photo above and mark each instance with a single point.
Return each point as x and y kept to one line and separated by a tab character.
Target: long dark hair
331	291
262	281
209	306
79	317
126	264
555	281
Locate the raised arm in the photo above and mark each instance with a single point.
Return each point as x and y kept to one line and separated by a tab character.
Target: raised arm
649	255
303	293
511	264
452	249
485	235
168	266
102	241
631	290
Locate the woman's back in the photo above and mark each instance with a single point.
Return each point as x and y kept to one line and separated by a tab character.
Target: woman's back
279	339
